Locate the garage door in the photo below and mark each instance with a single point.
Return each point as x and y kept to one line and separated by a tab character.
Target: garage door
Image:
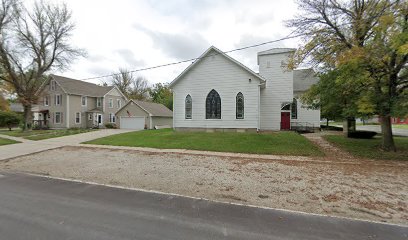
132	123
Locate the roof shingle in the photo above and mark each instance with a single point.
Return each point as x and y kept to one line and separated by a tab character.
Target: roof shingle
77	87
155	109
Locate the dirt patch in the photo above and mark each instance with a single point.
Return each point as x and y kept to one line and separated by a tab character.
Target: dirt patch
365	190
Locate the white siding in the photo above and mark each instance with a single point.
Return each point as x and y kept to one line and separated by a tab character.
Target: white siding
279	88
308	116
227	78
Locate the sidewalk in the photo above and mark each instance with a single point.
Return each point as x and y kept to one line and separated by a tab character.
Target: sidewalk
28	147
18	139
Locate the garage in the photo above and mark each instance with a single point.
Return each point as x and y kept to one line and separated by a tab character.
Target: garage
143	115
137	123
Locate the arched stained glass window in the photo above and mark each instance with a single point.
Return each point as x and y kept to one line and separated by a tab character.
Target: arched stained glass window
188	107
293	109
240	106
213	105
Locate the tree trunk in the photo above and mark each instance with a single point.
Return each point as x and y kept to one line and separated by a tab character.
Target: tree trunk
349	125
27	118
327	122
387	138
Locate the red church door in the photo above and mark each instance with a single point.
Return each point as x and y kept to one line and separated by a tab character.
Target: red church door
285	120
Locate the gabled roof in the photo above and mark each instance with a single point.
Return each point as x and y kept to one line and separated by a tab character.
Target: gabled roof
263	80
303	79
154	109
77	87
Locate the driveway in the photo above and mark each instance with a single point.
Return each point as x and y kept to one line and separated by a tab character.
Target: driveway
29	147
42	208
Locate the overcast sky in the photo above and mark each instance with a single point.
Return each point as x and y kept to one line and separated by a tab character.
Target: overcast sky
135	34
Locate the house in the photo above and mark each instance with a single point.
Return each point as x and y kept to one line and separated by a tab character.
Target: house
18	108
143	115
218	93
396	120
70	103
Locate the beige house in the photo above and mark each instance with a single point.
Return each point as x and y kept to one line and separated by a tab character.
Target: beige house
143	115
70	103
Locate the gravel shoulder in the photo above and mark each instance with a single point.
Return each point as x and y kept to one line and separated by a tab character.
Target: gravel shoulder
363	190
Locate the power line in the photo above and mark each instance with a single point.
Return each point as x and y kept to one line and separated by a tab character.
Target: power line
195	59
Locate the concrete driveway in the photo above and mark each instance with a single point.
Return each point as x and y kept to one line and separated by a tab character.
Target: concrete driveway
43	208
29	147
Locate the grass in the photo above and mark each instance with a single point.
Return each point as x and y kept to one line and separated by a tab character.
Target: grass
282	143
400	126
370	148
4	141
44	134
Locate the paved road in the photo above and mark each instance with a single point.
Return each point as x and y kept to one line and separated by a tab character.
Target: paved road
42	208
377	128
29	147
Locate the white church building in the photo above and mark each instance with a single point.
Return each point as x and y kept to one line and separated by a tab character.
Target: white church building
218	93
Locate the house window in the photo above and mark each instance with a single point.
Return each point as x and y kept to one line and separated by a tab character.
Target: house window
112	118
188	107
293	112
57	99
53	85
98	102
84	100
78	118
46	101
240	106
213	105
58	117
110	103
90	116
119	103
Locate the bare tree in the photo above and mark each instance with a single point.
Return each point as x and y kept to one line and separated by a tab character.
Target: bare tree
133	87
32	43
123	81
139	90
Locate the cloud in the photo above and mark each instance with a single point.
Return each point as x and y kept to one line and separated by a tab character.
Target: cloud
96	57
97	71
178	45
129	57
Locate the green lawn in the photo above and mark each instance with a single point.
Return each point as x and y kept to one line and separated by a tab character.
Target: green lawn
4	141
44	134
370	148
401	126
283	143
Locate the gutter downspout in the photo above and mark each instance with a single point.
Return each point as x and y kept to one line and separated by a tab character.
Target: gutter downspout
174	96
259	108
150	121
67	112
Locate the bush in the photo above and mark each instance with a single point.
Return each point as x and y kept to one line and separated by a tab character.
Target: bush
110	125
362	134
9	119
39	127
331	128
